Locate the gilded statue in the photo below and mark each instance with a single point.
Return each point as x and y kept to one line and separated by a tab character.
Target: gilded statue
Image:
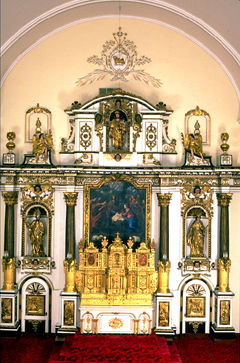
118	127
195	237
193	144
36	234
42	143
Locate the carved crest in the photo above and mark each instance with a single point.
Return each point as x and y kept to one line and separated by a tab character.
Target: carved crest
119	59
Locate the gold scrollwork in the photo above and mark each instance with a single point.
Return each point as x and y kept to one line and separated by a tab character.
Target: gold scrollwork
85	136
151	136
115	323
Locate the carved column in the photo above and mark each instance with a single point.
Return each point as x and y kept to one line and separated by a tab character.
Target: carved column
163	202
224	262
224	201
163	295
71	200
222	305
10	199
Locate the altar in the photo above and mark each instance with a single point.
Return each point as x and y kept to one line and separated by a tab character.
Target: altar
117	238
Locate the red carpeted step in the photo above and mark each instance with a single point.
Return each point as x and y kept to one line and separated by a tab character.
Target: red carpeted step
113	348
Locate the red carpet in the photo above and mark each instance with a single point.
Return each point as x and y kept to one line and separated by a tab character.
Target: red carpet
187	349
113	348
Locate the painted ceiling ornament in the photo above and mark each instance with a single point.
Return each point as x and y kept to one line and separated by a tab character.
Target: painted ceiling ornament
119	59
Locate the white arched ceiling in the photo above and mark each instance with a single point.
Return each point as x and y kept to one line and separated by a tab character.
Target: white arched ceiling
218	39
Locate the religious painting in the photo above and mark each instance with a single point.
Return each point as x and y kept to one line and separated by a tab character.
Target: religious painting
195	307
117	206
35	305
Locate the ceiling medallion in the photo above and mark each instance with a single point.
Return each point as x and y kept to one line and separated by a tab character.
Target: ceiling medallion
119	59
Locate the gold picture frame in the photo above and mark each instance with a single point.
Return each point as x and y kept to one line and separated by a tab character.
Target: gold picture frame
88	187
195	307
69	312
35	305
225	312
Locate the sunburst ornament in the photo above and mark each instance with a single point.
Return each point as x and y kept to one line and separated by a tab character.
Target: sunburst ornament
119	59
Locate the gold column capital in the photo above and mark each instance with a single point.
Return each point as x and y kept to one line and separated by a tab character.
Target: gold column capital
71	198
224	199
164	199
10	198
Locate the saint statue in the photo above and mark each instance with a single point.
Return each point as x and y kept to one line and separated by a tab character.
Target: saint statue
36	233
195	237
193	144
117	131
42	143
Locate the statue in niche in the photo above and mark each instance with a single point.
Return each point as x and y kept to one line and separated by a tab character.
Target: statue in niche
118	127
195	237
36	234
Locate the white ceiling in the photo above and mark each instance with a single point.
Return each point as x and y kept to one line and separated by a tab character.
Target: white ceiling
213	24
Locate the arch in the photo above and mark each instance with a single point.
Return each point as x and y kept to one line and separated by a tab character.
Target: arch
181	20
35	297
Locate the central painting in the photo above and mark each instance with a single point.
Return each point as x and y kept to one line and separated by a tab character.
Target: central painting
117	206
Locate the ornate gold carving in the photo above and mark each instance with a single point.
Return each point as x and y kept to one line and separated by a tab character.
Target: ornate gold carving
117	275
70	269
35	324
137	128
39	263
224	199
10	197
151	136
85	158
71	198
163	313
195	325
196	290
6	310
164	199
195	306
35	305
119	60
163	276
224	265
196	265
9	272
115	323
224	312
85	136
68	312
37	193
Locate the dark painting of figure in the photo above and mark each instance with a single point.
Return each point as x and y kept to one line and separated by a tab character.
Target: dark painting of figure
117	207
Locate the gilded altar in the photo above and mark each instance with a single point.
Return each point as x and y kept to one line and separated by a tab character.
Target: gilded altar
116	275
